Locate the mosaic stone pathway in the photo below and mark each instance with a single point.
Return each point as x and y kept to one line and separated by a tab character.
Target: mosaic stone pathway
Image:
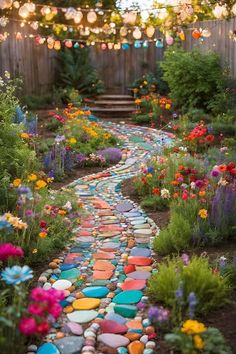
105	272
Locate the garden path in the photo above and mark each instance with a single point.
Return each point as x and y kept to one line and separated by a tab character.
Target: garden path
106	269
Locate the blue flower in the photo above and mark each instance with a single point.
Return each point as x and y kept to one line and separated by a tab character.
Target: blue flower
16	274
4	224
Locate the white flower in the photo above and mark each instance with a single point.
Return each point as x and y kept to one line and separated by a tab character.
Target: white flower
67	206
165	194
193	185
222	182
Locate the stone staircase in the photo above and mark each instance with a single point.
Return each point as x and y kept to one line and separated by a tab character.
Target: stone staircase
114	107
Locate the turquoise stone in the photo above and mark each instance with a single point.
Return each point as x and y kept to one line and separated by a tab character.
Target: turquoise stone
122	350
128	297
95	291
70	274
100	282
48	348
129	311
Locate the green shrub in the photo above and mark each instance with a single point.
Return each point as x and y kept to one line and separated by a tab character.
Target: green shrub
211	290
35	102
142	118
77	72
194	78
155	203
177	235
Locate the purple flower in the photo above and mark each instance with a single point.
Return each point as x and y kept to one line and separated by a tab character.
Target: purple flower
199	183
112	155
153	313
150	169
185	259
60	138
141	305
222	262
192	301
215	173
81	158
23	190
179	294
158	314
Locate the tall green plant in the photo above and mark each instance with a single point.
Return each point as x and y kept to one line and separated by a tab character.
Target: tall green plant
77	72
194	78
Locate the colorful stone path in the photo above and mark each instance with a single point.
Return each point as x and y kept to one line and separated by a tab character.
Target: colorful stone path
105	272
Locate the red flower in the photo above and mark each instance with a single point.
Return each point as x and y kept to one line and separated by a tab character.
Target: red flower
185	195
230	166
156	191
43	327
210	138
27	326
43	224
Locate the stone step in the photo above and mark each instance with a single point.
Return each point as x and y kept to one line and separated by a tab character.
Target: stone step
113	103
115	97
112	109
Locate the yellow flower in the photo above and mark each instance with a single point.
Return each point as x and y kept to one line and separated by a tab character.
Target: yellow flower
16	182
72	141
138	101
107	136
168	106
42	234
50	179
24	136
198	342
34	250
40	184
16	222
192	327
145	82
203	213
32	177
149	175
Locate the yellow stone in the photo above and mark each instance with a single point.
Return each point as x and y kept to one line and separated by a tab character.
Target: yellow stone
86	303
68	309
143	268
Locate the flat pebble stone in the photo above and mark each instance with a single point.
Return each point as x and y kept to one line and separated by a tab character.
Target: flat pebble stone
62	284
70	345
110	326
139	275
95	291
133	284
113	340
86	303
128	297
73	327
136	347
140	252
124	207
82	316
126	310
115	317
48	348
32	348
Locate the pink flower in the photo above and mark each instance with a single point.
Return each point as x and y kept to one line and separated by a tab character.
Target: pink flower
43	327
9	250
38	294
55	310
35	309
29	212
27	326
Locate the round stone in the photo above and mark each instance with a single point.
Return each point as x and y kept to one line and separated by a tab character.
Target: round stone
128	297
62	284
86	303
82	316
113	340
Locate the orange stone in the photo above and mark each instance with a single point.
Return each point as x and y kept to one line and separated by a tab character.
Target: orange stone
134	324
132	336
140	261
102	275
79	295
60	335
131	243
53	265
103	265
149	330
136	347
103	255
68	309
71	288
105	213
110	295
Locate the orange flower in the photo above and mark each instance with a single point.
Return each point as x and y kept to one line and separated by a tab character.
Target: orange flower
24	136
62	212
156	191
40	184
178	175
174	183
222	168
43	234
202	194
176	195
17	182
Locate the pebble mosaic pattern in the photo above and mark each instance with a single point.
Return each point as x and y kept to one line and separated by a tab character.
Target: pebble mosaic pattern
105	271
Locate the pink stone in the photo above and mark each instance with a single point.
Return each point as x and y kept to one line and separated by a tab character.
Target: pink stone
109	326
129	268
103	255
133	285
103	265
103	275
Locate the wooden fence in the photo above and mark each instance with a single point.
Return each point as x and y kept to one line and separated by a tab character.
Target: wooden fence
117	68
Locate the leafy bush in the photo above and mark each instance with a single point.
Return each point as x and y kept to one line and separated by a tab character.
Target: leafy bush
211	290
194	337
194	78
155	203
177	235
77	72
